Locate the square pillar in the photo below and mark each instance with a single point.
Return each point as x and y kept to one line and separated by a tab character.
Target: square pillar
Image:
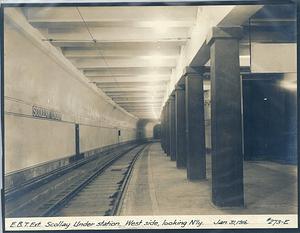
226	118
172	129
163	130
195	126
168	128
180	127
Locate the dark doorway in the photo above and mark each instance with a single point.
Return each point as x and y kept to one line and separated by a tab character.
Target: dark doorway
265	119
77	138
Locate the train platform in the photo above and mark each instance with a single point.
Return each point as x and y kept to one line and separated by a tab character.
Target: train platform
157	187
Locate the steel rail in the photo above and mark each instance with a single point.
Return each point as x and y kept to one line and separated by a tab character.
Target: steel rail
82	183
33	183
25	187
118	199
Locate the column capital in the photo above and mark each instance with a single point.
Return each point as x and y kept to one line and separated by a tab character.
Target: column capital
223	32
201	70
186	71
172	95
177	87
189	71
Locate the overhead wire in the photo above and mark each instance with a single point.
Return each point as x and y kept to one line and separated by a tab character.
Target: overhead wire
99	50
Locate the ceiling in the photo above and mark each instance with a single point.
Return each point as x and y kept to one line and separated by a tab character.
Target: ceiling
131	52
128	52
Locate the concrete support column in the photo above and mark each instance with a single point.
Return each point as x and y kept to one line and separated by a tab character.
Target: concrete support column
163	130
172	129
195	126
180	127
167	128
226	124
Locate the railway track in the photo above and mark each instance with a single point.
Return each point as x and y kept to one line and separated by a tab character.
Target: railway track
96	190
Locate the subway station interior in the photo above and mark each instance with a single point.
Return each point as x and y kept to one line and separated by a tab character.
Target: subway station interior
187	109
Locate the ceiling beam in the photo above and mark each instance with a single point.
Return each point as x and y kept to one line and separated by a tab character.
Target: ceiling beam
92	63
128	71
129	79
142	53
123	34
132	84
143	109
117	23
136	92
115	44
238	15
148	98
114	14
129	89
150	112
152	101
141	104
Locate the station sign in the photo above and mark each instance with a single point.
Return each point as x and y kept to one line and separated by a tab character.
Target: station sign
46	113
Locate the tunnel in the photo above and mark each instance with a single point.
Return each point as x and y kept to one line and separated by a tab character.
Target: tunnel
157	131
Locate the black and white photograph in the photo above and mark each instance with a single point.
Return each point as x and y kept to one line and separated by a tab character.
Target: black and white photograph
149	115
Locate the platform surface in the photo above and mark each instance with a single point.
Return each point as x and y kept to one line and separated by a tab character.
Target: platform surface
157	187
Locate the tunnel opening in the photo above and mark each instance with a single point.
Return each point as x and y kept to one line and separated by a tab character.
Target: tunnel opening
157	131
145	128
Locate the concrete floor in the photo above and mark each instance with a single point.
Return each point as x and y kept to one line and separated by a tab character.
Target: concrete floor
157	187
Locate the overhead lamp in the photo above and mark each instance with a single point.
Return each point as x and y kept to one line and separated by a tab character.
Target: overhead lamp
289	85
158	44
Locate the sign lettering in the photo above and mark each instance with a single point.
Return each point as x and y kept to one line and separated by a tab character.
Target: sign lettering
46	113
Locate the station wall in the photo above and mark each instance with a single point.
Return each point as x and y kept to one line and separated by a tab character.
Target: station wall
45	98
